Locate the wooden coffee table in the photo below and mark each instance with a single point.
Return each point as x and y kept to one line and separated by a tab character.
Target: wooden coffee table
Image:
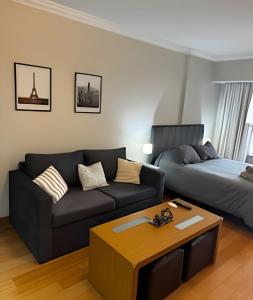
116	257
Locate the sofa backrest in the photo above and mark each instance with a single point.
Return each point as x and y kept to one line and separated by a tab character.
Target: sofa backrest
108	158
65	163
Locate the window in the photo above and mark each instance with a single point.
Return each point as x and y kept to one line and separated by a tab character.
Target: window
249	124
250	113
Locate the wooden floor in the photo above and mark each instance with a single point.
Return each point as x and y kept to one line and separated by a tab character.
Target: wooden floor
66	277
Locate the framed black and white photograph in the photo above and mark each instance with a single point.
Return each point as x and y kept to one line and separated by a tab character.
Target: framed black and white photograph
32	87
88	90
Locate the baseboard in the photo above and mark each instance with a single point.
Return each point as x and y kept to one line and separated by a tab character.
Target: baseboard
4	220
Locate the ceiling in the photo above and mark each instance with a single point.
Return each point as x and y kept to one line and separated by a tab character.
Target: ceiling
214	29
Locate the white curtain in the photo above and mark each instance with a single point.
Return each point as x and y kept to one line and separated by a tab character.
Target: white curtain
234	101
246	144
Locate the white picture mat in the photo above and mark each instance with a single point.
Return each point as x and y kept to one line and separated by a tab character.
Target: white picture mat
24	85
95	82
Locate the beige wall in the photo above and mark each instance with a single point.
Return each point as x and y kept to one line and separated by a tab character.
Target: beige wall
237	70
201	99
141	86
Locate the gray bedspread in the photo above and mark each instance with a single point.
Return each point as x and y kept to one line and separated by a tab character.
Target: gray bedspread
215	182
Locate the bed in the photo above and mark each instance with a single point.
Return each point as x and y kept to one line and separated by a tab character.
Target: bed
215	182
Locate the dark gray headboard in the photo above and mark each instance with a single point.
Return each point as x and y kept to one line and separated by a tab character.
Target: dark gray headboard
164	137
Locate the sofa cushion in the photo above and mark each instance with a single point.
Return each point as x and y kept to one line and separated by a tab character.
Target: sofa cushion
128	193
77	205
65	163
52	183
128	171
92	176
108	159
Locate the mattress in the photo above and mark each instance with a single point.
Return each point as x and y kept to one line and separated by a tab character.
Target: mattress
215	182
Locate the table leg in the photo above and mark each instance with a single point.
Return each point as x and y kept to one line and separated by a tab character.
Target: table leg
110	273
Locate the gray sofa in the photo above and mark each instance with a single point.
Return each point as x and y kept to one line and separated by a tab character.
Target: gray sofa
51	230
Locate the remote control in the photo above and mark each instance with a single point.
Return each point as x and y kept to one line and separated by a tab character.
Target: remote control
182	205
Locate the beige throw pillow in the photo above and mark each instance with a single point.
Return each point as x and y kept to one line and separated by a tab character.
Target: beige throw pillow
128	171
92	176
52	183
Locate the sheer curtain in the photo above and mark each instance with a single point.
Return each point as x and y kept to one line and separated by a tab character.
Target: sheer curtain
234	101
246	145
248	132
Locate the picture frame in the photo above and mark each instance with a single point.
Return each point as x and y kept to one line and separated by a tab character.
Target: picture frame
88	93
33	87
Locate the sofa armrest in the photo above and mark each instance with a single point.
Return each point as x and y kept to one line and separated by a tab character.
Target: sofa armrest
153	177
31	214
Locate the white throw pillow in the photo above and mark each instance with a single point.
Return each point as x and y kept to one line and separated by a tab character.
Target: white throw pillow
92	176
52	183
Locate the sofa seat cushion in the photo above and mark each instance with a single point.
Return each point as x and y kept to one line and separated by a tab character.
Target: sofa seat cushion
128	193
77	205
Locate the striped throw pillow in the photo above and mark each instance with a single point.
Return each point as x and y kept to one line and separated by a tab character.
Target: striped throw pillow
52	183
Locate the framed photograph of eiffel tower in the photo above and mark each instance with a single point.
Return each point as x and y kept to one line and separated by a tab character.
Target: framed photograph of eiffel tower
32	87
88	90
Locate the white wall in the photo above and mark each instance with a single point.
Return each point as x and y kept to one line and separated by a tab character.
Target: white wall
142	85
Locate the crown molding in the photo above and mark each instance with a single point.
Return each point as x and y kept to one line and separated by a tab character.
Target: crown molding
79	16
76	15
203	55
232	58
233	81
